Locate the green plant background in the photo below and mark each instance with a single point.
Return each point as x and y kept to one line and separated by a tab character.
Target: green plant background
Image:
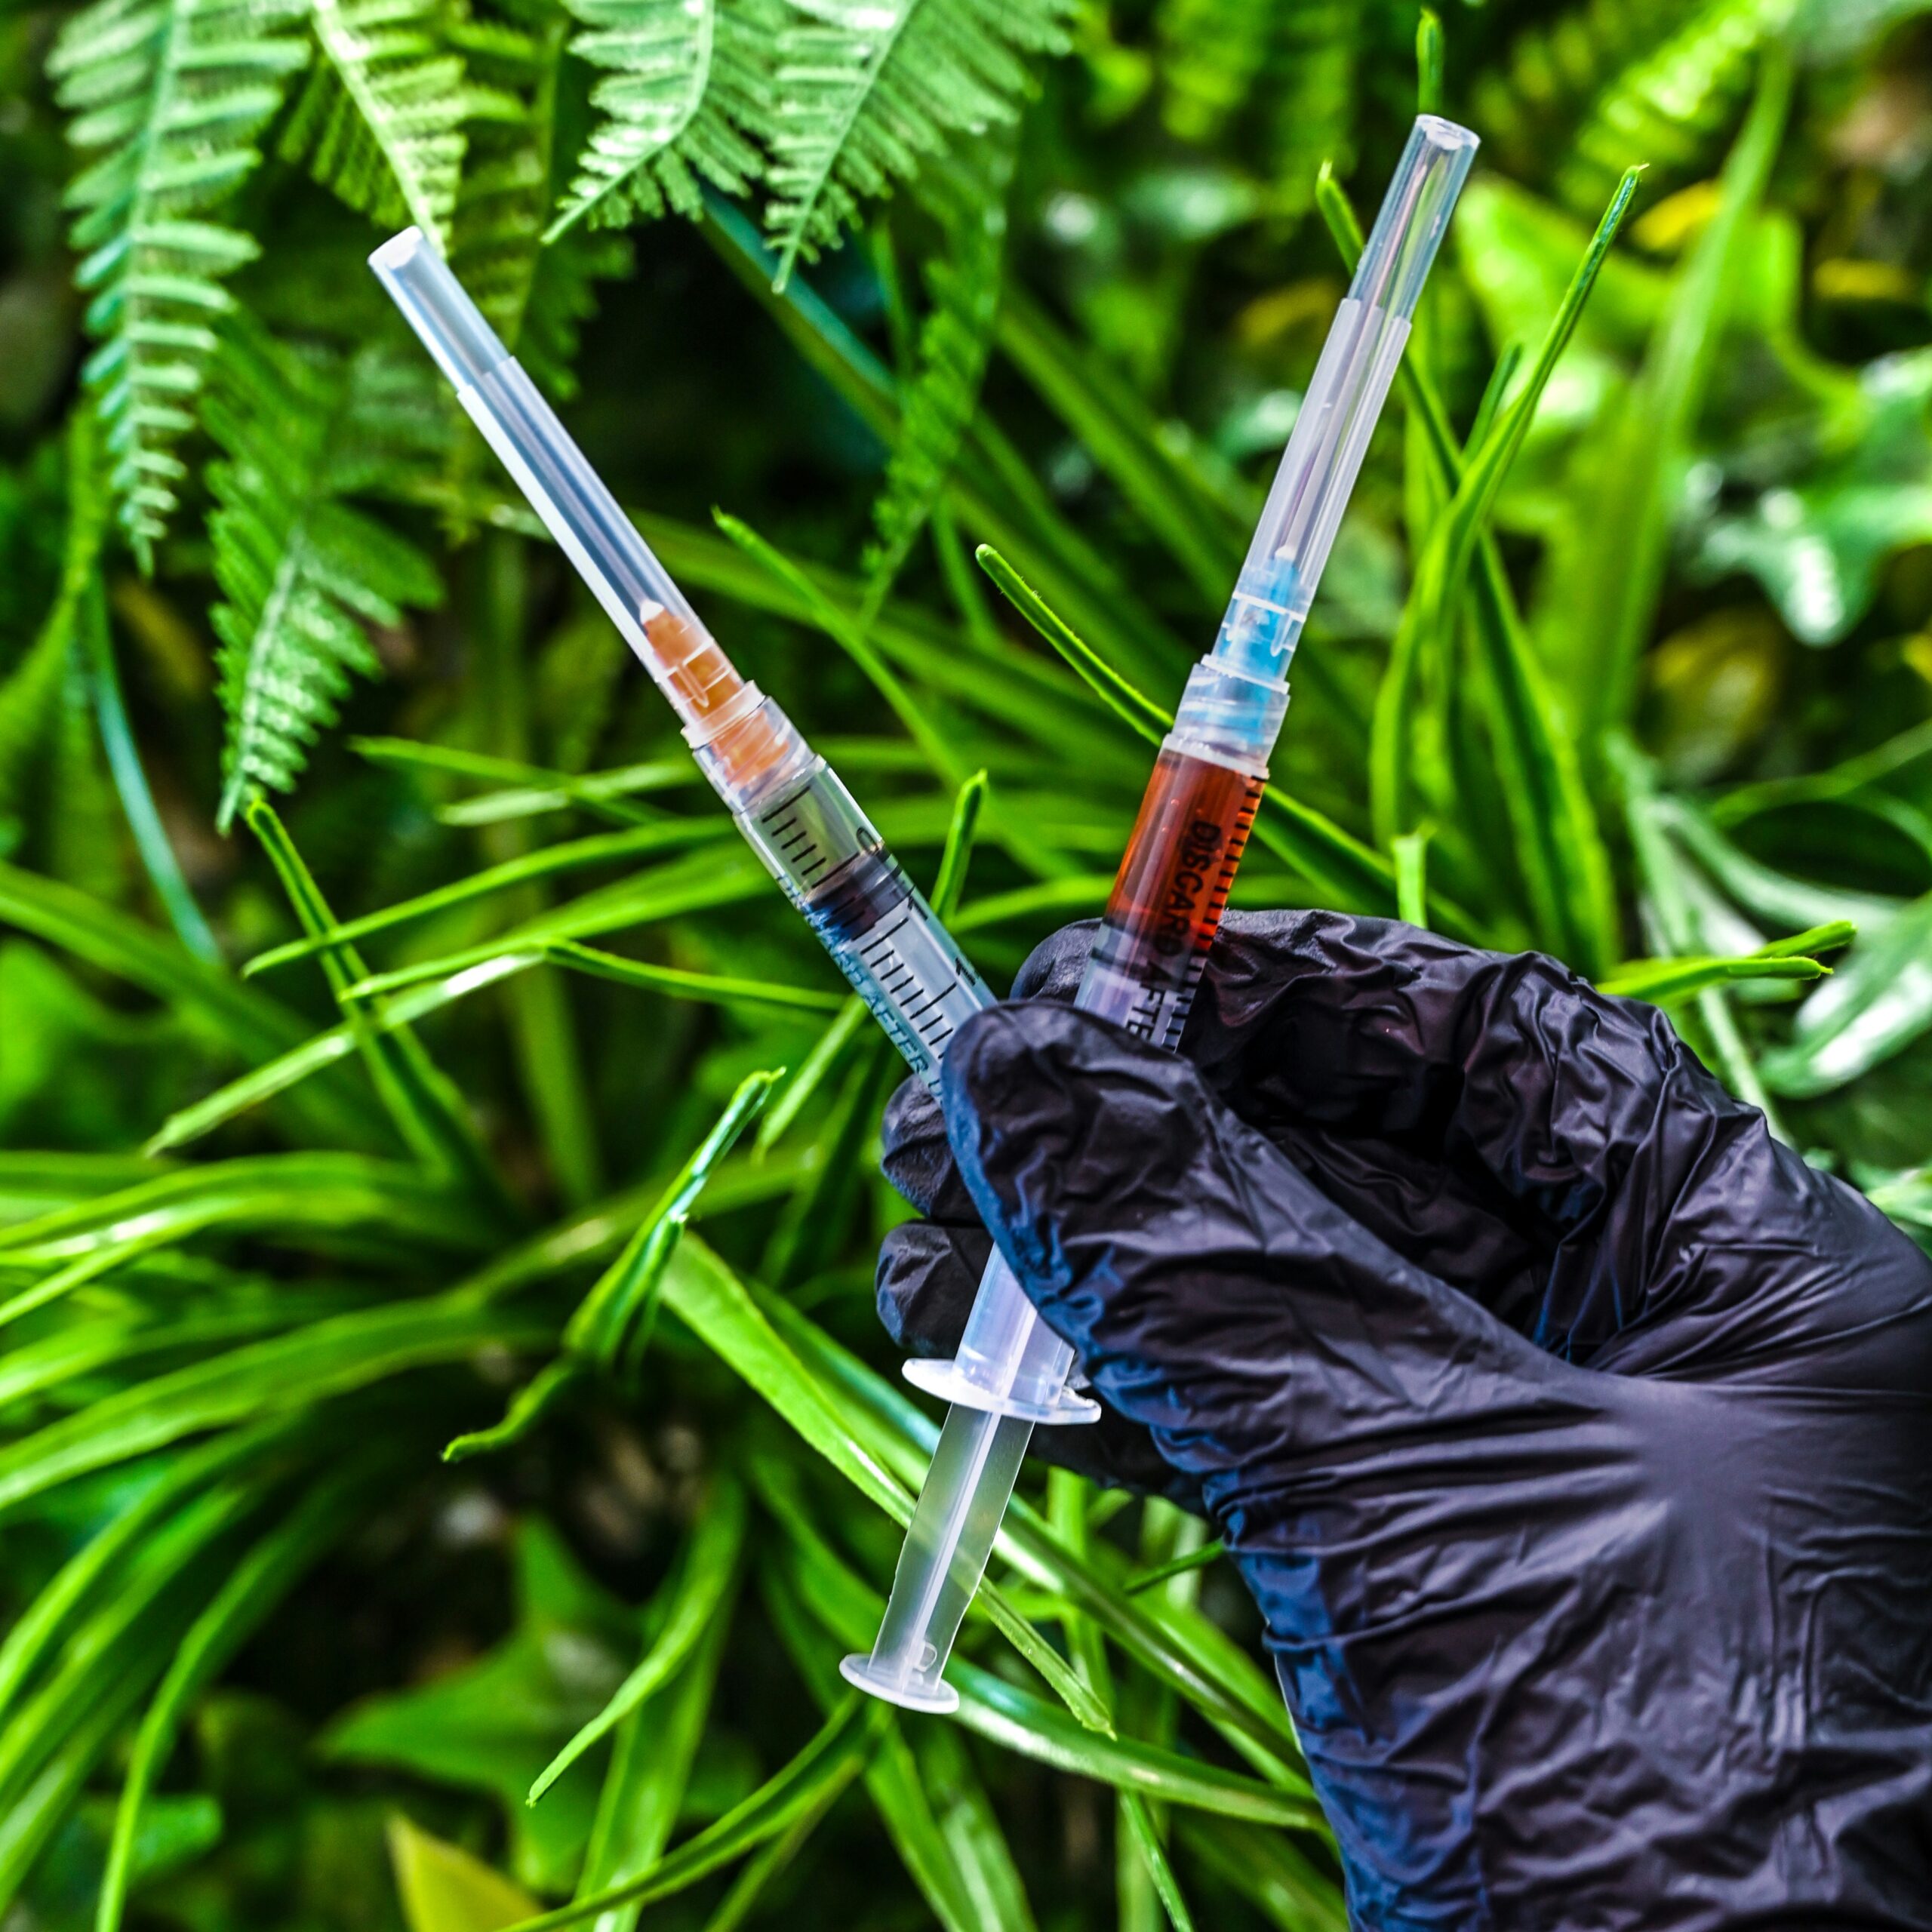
397	1051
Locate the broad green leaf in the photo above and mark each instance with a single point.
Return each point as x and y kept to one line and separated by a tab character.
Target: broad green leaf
492	1726
443	1889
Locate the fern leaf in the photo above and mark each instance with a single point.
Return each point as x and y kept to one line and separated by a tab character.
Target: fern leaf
513	49
1672	108
870	90
1528	108
688	90
380	119
301	571
954	341
169	95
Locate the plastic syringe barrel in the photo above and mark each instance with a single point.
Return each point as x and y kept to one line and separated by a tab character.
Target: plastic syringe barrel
1167	900
798	816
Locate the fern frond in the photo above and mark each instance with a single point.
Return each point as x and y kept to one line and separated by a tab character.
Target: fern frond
689	91
1528	108
513	50
380	118
963	280
170	95
870	90
301	570
1671	108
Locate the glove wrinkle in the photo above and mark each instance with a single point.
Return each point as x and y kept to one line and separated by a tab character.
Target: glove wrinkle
1574	1438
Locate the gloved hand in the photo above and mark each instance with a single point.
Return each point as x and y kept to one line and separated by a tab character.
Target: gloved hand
1574	1437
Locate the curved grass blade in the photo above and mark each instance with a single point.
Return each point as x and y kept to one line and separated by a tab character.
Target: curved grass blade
1558	839
1442	572
247	1023
605	848
252	1591
430	1116
326	1358
1325	855
1608	610
826	1765
704	1579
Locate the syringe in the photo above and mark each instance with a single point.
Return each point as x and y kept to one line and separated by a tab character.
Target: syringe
1166	902
787	800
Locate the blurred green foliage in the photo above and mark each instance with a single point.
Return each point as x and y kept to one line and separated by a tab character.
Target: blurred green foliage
391	1028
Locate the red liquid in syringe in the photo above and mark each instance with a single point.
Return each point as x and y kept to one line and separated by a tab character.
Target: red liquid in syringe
1169	895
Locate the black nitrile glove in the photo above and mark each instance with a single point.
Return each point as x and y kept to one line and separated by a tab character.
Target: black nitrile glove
1574	1437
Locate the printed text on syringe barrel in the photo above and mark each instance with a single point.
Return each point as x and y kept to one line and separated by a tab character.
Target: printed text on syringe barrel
1168	897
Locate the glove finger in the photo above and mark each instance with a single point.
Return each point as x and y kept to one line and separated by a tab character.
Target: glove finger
914	1154
1569	1128
1054	967
1211	1292
916	1158
927	1276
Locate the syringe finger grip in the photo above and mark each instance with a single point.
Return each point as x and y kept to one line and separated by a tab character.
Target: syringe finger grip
1008	1362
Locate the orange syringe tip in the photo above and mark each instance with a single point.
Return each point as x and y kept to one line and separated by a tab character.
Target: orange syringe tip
702	681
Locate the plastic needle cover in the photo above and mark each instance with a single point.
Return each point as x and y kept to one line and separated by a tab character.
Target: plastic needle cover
1009	1371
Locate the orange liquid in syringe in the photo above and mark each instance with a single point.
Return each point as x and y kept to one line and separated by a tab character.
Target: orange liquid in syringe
703	681
1169	895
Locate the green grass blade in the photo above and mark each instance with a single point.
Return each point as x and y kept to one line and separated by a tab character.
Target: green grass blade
605	848
718	988
845	631
1411	856
1426	632
1540	774
830	1048
1325	855
612	1324
1103	413
650	1769
328	1358
245	1022
430	1116
1180	1647
833	1758
1139	1817
695	1595
1606	611
252	1590
1020	1721
124	763
957	854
